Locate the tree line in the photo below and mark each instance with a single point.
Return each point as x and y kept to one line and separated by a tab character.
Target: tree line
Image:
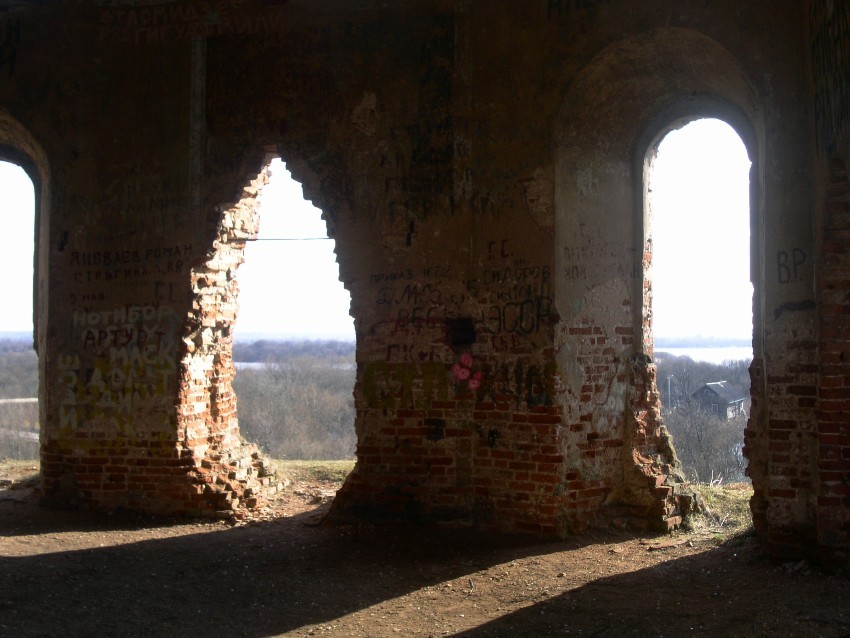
269	350
709	445
296	401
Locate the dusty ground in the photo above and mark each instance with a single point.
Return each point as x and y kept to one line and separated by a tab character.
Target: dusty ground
80	574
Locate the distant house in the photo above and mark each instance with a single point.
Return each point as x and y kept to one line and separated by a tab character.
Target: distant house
720	397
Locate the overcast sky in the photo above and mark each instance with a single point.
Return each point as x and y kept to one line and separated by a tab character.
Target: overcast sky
18	212
288	286
701	234
700	229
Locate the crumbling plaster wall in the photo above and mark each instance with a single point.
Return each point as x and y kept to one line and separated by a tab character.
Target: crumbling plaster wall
481	167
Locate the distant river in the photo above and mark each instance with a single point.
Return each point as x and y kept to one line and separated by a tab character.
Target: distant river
259	365
711	355
249	365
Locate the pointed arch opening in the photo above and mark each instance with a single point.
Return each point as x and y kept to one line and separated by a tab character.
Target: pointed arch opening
294	345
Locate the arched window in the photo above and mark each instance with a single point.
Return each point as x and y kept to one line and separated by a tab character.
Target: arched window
699	217
19	415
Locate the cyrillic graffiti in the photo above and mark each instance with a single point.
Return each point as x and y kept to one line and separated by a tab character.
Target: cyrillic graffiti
126	363
388	385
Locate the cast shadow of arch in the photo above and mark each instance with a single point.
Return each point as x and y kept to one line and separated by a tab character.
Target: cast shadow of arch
730	590
259	579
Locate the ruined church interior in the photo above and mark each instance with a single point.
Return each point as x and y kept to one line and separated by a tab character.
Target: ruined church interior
481	166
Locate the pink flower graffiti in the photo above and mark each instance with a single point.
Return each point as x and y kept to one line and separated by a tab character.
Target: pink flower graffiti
462	372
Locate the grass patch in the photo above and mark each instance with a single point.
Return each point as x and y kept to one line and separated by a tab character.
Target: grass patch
18	465
727	510
18	473
319	471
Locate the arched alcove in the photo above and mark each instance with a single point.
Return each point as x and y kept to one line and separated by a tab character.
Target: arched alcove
620	104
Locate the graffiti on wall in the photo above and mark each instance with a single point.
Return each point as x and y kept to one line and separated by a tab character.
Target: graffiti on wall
153	265
127	193
789	265
124	362
510	297
830	24
178	21
416	385
600	261
519	298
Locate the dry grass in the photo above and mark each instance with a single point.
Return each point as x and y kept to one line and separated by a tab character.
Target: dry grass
727	511
18	474
318	471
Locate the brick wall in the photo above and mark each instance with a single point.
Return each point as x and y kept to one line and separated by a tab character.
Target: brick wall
190	456
493	439
833	428
228	472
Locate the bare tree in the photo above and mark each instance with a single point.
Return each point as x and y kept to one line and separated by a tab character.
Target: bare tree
301	408
710	447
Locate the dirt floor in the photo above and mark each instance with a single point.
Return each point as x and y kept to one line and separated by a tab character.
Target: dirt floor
84	574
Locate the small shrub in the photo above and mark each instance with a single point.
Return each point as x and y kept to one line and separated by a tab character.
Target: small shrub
710	447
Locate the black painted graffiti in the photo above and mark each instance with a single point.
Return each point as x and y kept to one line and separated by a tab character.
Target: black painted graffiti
498	250
406	353
125	265
388	385
10	38
405	274
520	317
173	22
600	261
789	265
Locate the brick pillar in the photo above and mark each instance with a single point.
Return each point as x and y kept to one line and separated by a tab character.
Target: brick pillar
229	474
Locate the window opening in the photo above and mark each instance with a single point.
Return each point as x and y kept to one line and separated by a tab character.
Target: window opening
702	295
19	426
294	339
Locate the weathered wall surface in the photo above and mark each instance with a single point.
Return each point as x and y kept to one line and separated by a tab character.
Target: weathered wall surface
481	166
829	25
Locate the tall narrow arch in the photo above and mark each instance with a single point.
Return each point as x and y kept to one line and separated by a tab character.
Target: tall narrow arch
672	118
615	109
19	146
698	284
